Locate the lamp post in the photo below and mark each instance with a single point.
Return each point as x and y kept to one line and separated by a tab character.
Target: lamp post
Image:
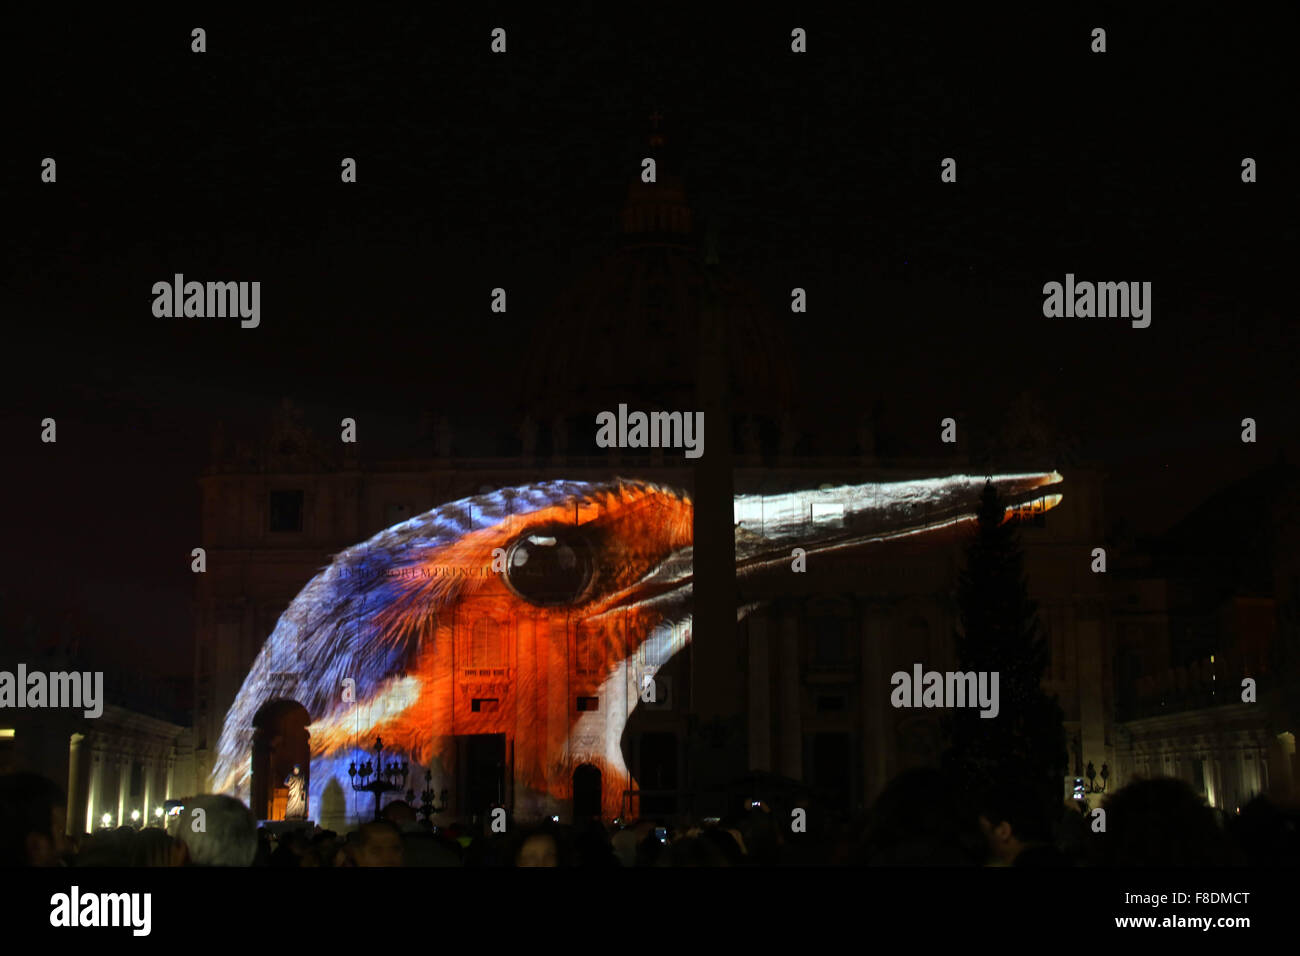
1091	774
386	779
428	808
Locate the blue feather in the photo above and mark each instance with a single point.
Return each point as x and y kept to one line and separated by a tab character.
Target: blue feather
329	631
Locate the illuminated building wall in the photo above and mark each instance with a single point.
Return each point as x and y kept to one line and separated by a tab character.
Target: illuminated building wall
119	762
814	661
1191	623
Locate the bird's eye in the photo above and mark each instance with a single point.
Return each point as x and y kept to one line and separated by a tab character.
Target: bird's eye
550	566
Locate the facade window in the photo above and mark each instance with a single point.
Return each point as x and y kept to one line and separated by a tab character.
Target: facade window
286	511
588	703
481	704
486	648
829	643
588	651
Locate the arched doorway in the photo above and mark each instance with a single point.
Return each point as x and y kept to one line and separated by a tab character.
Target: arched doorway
280	740
586	792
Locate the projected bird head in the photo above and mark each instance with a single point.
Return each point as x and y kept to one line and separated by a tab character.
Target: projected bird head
502	612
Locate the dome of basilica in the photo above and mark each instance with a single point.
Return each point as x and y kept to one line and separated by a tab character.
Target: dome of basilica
657	318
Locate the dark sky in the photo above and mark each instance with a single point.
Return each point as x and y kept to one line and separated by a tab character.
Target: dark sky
478	171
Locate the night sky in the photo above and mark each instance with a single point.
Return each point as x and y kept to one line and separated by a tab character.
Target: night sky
817	170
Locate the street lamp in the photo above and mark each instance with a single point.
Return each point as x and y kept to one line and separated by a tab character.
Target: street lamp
135	817
428	807
1091	774
386	778
106	820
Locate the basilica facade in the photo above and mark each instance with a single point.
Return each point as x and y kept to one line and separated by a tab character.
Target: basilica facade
797	691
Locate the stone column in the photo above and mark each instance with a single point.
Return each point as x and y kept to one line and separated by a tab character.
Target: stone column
1243	779
791	714
875	705
146	811
75	778
123	783
557	708
93	798
760	697
526	770
443	759
1281	779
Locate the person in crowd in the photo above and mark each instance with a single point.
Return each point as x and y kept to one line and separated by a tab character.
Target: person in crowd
264	848
325	846
624	842
400	814
215	830
294	850
1162	822
696	851
1268	835
33	818
546	845
151	847
1013	816
378	844
591	845
918	820
726	844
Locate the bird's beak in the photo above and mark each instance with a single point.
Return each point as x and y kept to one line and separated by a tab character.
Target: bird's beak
837	518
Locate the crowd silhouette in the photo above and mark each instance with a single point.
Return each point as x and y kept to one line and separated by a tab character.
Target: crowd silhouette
919	819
